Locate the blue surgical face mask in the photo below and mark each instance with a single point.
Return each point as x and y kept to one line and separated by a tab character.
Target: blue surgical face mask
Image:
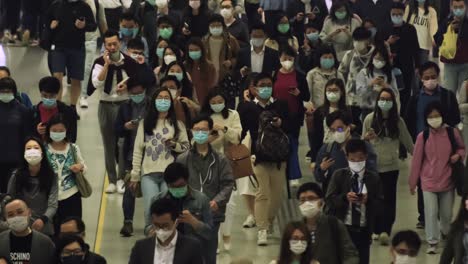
195	55
327	63
49	102
57	136
178	75
6	97
217	108
459	12
128	32
137	98
314	36
397	20
160	52
162	105
421	1
265	92
384	105
201	137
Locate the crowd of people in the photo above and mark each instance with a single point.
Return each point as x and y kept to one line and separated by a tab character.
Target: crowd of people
204	101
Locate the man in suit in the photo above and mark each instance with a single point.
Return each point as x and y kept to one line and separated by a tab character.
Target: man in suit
168	245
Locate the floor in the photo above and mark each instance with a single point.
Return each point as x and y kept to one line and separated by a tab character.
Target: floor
103	214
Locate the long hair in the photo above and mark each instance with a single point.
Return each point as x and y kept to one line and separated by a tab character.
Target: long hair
206	109
459	223
337	5
341	86
381	125
56	119
387	69
286	256
282	38
414	8
152	115
46	174
187	87
203	62
177	53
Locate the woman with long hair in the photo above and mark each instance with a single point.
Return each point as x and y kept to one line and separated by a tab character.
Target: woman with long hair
177	69
283	36
159	137
35	183
386	130
170	54
160	46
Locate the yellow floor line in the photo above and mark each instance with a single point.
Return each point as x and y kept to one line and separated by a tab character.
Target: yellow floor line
102	216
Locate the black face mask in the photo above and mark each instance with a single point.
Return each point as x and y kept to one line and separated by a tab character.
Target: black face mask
72	259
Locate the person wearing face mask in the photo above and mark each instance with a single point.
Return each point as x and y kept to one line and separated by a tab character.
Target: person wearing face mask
66	160
283	36
331	156
436	148
235	26
378	12
355	197
71	249
272	11
386	130
158	136
170	54
15	129
49	88
35	182
136	51
311	44
329	239
376	76
456	249
456	68
405	247
303	12
178	70
355	60
168	245
338	28
129	29
113	9
167	30
295	247
21	243
196	17
210	173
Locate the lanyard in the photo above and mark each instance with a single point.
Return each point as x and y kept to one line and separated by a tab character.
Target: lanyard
208	175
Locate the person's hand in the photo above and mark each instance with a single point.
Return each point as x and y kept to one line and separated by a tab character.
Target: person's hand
455	23
190	103
227	63
187	218
352	197
326	163
370	135
295	91
214	206
41	128
454	158
247	95
38	225
54	24
151	231
244	71
218	127
364	198
131	125
80	24
106	57
277	122
336	32
300	16
413	191
133	185
310	109
260	10
376	81
140	59
186	32
434	44
393	39
311	16
121	88
346	30
170	143
75	168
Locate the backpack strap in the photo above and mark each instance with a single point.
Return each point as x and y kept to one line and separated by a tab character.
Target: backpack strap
453	141
329	148
425	135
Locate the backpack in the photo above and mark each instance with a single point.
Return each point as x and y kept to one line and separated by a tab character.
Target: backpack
272	143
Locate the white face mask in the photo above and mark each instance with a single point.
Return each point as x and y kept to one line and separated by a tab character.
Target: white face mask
195	4
18	223
431	84
168	59
297	246
226	13
310	209
340	137
173	93
404	259
378	64
257	42
287	64
357	167
161	3
33	156
333	96
360	45
435	122
163	235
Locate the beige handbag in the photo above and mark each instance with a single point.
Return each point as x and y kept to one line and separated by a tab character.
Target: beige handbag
83	185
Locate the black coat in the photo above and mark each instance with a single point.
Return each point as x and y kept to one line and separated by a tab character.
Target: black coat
379	12
319	8
270	65
68	113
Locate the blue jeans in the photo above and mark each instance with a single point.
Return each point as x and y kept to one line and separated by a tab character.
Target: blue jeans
455	75
151	185
128	205
294	169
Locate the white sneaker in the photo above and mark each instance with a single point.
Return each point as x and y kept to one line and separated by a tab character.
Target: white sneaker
294	183
249	222
262	238
83	102
384	239
111	188
120	186
432	249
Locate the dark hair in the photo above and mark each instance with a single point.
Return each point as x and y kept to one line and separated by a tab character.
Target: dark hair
187	87
387	69
338	115
356	145
177	53
216	18
337	5
288	51
386	127
7	260
170	78
327	49
341	86
410	237
202	117
282	38
286	256
433	106
111	33
134	82
176	171
166	20
258	26
58	118
261	76
129	16
361	33
203	62
6	69
46	174
80	225
314	24
414	8
310	187
458	225
203	9
136	44
151	117
49	84
165	206
67	240
398	5
9	84
206	108
429	65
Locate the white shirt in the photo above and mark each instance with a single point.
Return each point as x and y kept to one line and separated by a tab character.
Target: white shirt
165	255
349	218
256	60
113	96
93	36
110	4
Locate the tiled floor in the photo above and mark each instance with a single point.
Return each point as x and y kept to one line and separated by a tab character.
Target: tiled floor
29	65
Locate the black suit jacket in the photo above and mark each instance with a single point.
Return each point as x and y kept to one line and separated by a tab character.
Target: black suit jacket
187	251
271	61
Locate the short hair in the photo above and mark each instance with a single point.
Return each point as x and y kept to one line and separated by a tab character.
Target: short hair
410	237
5	69
165	20
134	82
258	26
170	78
261	76
80	225
67	240
288	51
361	33
203	117
312	187
434	106
135	43
338	115
429	65
398	5
165	206
175	171
49	84
9	84
58	118
314	24
110	33
216	18
355	146
128	16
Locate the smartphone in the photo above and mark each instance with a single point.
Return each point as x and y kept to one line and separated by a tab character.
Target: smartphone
123	81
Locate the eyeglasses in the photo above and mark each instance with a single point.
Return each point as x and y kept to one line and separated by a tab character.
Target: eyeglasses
76	252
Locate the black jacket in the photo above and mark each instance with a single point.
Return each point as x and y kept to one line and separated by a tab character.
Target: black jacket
450	109
187	251
406	49
240	31
270	65
16	124
379	12
340	185
318	7
68	113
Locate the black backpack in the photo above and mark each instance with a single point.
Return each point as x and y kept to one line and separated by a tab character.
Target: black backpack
272	143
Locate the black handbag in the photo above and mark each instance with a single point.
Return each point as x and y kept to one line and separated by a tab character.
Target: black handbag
46	37
458	168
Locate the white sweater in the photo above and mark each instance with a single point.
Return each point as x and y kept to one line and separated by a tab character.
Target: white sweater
426	26
150	154
233	133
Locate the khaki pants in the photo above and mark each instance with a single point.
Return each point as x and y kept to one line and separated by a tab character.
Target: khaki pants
271	185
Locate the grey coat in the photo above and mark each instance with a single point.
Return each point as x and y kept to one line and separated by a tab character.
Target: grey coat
42	248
